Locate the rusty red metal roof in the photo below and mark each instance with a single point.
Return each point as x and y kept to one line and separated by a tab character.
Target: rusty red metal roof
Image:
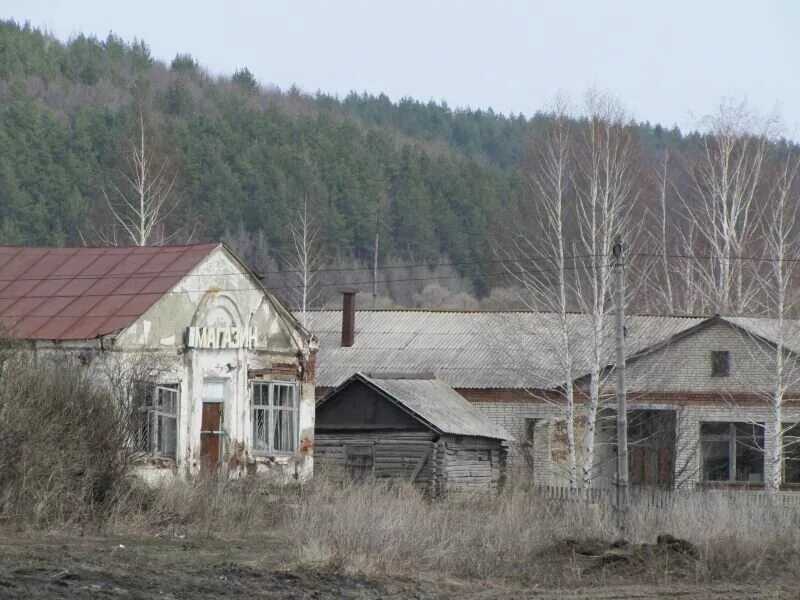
82	293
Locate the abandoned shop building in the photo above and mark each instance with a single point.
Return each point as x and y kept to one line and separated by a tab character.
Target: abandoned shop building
411	427
699	388
227	371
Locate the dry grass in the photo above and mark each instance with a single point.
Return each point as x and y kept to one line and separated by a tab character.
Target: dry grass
378	529
64	464
735	535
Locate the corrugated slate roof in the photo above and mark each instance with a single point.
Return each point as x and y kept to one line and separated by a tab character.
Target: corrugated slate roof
471	349
82	293
437	404
768	329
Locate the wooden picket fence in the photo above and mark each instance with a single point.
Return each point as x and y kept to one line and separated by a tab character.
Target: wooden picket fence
657	498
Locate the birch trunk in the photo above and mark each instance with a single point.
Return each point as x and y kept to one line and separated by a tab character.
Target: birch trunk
140	197
550	179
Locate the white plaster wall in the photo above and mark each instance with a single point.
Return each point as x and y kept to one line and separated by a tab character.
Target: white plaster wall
218	292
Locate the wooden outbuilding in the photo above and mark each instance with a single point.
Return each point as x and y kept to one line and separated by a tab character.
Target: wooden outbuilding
410	427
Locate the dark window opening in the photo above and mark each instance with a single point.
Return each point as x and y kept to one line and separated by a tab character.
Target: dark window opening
528	443
720	363
530	431
651	447
791	453
732	452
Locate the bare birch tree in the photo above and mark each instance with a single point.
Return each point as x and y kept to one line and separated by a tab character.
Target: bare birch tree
540	265
304	262
664	214
142	199
781	229
582	183
605	196
722	207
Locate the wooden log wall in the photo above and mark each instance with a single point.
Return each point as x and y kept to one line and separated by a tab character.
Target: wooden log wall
395	455
472	464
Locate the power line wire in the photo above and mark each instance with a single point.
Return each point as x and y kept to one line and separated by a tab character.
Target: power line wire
297	286
712	257
182	274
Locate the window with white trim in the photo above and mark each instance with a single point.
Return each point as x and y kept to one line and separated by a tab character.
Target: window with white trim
157	434
274	417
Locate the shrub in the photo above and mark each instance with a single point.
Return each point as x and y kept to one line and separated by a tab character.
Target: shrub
63	448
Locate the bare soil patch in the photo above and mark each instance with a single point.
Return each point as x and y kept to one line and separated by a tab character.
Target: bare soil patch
206	568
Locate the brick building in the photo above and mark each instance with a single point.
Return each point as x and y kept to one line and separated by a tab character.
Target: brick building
698	387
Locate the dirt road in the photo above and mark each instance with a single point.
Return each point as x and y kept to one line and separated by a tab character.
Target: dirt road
198	569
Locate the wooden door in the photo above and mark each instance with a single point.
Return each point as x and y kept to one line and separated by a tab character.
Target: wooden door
211	437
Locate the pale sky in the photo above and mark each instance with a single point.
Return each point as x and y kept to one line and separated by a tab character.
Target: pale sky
670	62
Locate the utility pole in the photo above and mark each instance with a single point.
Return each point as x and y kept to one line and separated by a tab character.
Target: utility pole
622	408
375	259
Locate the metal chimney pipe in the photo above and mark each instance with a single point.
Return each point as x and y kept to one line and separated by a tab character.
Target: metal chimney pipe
348	317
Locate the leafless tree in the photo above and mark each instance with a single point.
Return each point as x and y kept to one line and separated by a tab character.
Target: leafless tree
129	380
605	196
582	184
664	244
721	206
140	197
540	265
304	262
778	283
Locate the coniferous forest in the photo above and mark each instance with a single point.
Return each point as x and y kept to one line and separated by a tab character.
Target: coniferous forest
437	184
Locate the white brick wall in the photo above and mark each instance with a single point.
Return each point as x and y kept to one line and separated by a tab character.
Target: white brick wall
683	366
688	463
549	450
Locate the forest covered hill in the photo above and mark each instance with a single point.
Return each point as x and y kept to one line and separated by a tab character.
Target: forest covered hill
439	184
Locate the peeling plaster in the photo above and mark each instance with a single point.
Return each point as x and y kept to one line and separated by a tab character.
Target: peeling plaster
161	329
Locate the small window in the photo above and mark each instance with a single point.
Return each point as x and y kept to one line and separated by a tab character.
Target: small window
157	433
530	431
213	390
359	461
274	417
720	363
732	452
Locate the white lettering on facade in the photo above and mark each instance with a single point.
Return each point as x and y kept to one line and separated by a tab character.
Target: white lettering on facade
221	337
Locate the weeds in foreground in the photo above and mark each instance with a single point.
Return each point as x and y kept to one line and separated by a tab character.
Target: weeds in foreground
383	529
